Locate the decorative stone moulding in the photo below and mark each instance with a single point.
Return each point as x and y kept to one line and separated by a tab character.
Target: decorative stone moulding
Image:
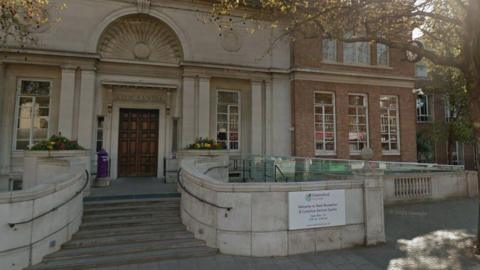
140	37
143	6
230	41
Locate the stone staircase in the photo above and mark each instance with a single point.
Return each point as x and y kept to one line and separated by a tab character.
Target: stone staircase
116	233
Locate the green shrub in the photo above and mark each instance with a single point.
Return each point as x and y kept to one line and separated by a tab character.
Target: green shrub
55	143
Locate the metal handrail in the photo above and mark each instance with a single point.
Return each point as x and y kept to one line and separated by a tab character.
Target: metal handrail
13	224
195	196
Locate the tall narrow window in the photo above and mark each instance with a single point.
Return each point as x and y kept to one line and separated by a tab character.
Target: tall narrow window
424	108
382	54
458	154
33	113
100	122
329	48
357	53
389	129
358	123
228	119
324	104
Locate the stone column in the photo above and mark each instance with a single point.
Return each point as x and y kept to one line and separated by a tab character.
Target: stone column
257	118
282	115
87	109
67	101
373	209
203	107
188	111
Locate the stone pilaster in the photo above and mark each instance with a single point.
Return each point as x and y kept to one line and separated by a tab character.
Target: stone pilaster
269	117
5	145
188	111
257	118
203	107
87	109
67	101
374	212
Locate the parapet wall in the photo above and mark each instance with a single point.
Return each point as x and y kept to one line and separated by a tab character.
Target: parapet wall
36	221
258	222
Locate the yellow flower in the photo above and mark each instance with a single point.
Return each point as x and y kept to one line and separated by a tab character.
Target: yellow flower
207	145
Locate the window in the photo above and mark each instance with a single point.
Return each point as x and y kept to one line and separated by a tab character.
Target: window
458	154
389	126
421	71
324	104
382	54
450	111
100	123
33	113
424	108
356	52
228	119
329	48
358	123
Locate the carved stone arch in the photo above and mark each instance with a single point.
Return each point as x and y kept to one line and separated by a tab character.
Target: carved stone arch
140	37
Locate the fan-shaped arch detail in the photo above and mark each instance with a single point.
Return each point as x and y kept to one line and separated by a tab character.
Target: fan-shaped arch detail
140	37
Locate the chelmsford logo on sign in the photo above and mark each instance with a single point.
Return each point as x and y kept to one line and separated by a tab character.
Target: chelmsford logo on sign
315	209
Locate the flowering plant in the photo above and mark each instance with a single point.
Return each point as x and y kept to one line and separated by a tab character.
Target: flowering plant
206	144
56	142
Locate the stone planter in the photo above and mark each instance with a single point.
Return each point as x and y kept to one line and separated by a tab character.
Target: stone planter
46	167
172	165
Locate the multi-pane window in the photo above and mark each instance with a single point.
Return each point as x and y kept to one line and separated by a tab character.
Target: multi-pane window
458	154
324	104
389	125
356	52
358	122
329	50
33	111
450	110
228	119
382	54
100	123
424	108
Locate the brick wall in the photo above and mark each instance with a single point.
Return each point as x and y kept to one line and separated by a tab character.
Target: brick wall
303	118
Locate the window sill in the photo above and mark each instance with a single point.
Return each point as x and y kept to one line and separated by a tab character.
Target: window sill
323	154
396	153
357	65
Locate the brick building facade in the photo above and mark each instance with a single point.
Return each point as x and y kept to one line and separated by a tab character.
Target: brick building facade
368	81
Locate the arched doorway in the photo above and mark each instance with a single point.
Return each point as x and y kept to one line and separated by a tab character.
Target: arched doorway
139	78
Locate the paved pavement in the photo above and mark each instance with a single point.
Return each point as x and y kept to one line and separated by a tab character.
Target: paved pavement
427	236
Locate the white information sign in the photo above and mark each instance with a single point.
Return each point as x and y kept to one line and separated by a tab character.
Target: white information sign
315	209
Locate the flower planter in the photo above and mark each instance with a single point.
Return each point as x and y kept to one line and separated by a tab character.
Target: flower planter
45	167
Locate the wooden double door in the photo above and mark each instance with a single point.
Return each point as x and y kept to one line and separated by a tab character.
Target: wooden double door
138	143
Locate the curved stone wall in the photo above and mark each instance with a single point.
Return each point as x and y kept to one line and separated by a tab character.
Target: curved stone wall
26	244
257	224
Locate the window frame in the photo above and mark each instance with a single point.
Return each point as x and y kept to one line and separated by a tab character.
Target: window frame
335	60
325	152
355	46
365	96
17	103
388	55
239	94
429	115
390	151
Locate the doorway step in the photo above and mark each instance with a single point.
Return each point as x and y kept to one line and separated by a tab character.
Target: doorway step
124	232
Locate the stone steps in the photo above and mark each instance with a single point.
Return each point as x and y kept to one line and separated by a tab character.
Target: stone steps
116	260
127	238
130	214
117	233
